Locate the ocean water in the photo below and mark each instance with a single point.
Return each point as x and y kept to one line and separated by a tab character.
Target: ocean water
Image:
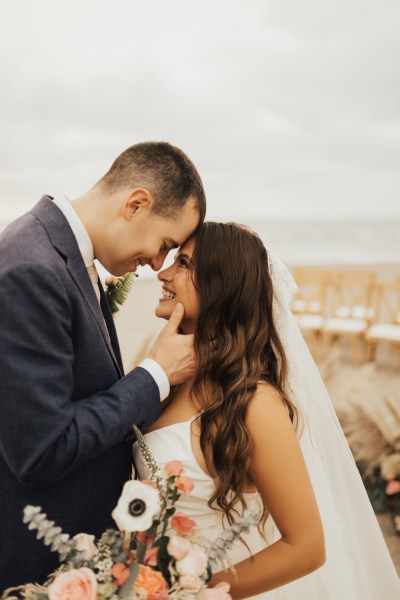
326	242
332	242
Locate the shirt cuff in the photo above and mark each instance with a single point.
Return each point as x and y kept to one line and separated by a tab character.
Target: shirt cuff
158	375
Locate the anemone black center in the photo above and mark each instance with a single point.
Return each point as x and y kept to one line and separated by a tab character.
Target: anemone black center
137	507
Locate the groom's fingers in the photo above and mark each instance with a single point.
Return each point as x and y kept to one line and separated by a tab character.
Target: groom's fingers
175	353
175	320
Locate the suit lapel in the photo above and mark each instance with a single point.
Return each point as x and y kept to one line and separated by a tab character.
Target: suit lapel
65	243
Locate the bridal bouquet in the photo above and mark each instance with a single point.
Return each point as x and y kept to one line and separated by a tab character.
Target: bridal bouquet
155	554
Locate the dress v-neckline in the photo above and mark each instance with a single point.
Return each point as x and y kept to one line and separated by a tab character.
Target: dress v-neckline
190	421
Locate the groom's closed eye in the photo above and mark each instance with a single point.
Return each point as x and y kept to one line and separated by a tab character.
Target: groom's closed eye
169	244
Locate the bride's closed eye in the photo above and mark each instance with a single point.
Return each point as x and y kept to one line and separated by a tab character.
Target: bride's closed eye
182	263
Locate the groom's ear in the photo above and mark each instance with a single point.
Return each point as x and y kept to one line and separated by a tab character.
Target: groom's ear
136	202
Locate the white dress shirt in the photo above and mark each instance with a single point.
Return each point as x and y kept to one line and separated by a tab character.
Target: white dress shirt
86	248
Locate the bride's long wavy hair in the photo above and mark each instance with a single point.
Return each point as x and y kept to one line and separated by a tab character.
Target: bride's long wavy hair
238	347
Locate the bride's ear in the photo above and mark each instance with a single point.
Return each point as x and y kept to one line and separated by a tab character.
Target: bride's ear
137	202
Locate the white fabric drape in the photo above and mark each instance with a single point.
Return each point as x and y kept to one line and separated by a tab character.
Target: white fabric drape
358	565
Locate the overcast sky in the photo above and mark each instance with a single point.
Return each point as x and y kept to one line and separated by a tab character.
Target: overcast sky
289	108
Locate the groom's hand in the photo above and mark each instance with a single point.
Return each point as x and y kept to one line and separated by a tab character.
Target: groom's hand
175	352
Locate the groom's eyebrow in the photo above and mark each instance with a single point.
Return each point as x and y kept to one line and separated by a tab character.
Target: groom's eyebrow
171	243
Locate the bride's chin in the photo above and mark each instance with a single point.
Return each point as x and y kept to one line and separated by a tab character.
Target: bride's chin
162	313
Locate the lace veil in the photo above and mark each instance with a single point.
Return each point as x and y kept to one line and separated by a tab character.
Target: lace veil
358	564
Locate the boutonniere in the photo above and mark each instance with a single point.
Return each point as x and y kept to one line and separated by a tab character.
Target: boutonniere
117	290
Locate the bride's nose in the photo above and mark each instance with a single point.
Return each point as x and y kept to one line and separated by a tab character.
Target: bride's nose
165	274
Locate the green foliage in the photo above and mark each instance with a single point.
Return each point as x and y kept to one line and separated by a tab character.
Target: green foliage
118	289
163	557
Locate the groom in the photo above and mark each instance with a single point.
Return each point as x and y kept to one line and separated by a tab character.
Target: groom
66	407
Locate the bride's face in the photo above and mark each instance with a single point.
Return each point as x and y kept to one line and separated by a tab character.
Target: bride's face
178	286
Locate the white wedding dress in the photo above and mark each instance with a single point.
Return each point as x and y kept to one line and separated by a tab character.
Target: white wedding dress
174	443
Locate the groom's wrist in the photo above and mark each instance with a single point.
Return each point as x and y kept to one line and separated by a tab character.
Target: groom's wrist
158	375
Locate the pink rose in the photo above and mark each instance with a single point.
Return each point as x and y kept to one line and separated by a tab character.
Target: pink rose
173	468
191	583
219	592
77	584
85	543
184	484
193	563
177	546
181	523
393	487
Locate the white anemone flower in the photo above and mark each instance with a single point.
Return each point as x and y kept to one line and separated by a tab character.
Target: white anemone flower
137	506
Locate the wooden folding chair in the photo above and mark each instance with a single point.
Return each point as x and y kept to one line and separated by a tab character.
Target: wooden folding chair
352	309
386	326
309	304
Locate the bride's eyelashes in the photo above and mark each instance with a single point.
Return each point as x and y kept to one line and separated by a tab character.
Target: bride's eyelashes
182	263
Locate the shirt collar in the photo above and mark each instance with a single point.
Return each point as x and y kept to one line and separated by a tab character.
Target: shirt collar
82	237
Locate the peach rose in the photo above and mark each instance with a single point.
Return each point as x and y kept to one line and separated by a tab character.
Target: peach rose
121	574
193	563
173	468
185	484
218	592
151	582
177	546
393	487
77	584
85	543
181	523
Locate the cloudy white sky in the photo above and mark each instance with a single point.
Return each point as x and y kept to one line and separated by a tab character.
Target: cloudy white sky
289	108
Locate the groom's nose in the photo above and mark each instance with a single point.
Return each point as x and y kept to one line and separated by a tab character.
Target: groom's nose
157	262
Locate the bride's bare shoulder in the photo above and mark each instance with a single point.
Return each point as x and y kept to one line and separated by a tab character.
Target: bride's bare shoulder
266	406
266	392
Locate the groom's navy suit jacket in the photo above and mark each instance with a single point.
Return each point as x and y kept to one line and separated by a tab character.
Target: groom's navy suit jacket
65	407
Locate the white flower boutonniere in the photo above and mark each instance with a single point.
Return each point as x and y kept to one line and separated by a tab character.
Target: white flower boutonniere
117	290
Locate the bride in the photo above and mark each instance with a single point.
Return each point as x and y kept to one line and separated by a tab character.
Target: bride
256	429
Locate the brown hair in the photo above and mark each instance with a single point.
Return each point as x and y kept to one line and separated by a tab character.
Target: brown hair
166	171
237	346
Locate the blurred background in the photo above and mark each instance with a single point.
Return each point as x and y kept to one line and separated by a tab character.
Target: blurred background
290	109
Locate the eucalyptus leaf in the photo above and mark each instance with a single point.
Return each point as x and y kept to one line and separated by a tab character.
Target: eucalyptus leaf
126	589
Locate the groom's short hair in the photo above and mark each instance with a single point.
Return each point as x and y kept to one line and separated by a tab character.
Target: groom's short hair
164	170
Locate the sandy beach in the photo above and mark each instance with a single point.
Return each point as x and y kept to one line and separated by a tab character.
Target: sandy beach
373	389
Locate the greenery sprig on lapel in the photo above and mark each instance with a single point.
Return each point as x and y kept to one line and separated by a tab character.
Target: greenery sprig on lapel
118	289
